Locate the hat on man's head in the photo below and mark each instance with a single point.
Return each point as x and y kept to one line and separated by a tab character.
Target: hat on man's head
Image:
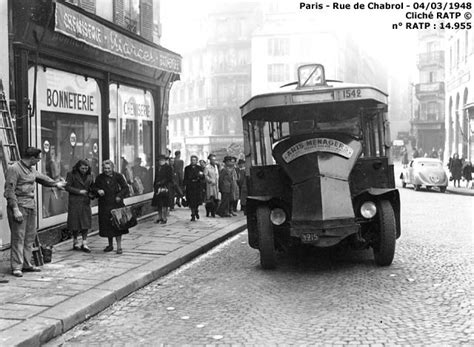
161	157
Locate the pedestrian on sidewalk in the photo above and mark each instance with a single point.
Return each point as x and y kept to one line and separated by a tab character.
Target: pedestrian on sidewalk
193	178
79	185
241	182
455	167
20	191
178	167
467	173
111	188
163	182
228	187
404	157
211	173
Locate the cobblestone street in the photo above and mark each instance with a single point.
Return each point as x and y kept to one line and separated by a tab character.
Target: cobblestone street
224	297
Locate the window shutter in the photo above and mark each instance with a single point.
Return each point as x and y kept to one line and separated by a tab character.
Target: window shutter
146	19
118	12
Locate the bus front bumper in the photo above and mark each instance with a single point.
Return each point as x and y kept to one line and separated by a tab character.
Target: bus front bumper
325	233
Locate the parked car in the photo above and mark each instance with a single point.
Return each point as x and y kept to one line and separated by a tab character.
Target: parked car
427	172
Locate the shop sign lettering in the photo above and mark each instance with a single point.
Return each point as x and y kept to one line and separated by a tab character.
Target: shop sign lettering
93	33
131	108
317	145
69	100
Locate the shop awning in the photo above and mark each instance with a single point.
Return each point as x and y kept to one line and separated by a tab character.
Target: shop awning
72	39
71	23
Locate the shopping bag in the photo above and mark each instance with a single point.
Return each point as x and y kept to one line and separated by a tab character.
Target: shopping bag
123	218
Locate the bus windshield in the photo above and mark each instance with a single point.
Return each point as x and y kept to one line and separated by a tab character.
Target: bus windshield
366	125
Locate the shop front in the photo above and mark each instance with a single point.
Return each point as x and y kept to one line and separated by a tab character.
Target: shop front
96	94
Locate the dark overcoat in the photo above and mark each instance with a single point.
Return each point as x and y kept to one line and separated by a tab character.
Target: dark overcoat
193	180
79	214
163	179
455	166
113	186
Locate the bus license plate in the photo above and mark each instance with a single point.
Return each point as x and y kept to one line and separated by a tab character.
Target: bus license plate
309	237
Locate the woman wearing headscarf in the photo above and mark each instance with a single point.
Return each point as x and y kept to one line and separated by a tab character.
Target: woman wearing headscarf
193	178
79	185
162	185
111	188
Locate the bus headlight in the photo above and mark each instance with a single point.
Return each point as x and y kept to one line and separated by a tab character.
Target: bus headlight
368	209
277	216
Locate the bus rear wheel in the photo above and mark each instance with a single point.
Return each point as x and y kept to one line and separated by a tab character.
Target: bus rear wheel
384	246
266	242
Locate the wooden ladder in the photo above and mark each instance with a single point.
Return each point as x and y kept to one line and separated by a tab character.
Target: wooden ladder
10	153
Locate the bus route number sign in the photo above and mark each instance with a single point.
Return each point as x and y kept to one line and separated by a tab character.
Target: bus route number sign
350	93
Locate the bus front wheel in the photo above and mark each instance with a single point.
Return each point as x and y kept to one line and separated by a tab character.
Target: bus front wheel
266	242
384	246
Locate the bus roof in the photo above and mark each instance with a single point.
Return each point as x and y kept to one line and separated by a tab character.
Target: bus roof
331	96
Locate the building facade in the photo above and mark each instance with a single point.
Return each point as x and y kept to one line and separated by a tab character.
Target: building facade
460	94
427	126
87	81
216	80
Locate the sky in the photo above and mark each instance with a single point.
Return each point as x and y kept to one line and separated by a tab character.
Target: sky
182	26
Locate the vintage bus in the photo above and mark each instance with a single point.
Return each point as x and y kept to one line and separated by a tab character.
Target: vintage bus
319	170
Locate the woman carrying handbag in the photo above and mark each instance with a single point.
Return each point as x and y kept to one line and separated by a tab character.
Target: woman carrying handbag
163	180
111	188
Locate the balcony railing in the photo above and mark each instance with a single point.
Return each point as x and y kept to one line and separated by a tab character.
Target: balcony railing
435	58
429	89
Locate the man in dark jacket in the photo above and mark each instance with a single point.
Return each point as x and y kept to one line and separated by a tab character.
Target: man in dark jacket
228	187
178	168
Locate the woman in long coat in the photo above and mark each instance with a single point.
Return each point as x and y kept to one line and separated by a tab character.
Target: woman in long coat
163	182
193	178
79	185
455	166
111	188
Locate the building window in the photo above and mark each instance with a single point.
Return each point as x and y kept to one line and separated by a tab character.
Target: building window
131	11
432	111
88	5
278	73
201	124
458	53
278	47
466	46
450	58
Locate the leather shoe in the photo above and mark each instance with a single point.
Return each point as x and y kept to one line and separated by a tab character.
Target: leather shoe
32	269
109	249
85	249
17	273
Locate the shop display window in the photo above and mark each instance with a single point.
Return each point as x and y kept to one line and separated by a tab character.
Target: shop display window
131	130
65	140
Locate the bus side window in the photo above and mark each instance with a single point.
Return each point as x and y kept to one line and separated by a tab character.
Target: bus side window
268	140
254	143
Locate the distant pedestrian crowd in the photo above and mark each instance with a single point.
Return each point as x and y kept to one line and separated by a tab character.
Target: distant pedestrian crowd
218	186
460	168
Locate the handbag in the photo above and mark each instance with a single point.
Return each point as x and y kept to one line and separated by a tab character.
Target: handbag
123	218
161	190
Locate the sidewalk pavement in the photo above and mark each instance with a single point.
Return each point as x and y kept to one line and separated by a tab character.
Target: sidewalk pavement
460	190
76	285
